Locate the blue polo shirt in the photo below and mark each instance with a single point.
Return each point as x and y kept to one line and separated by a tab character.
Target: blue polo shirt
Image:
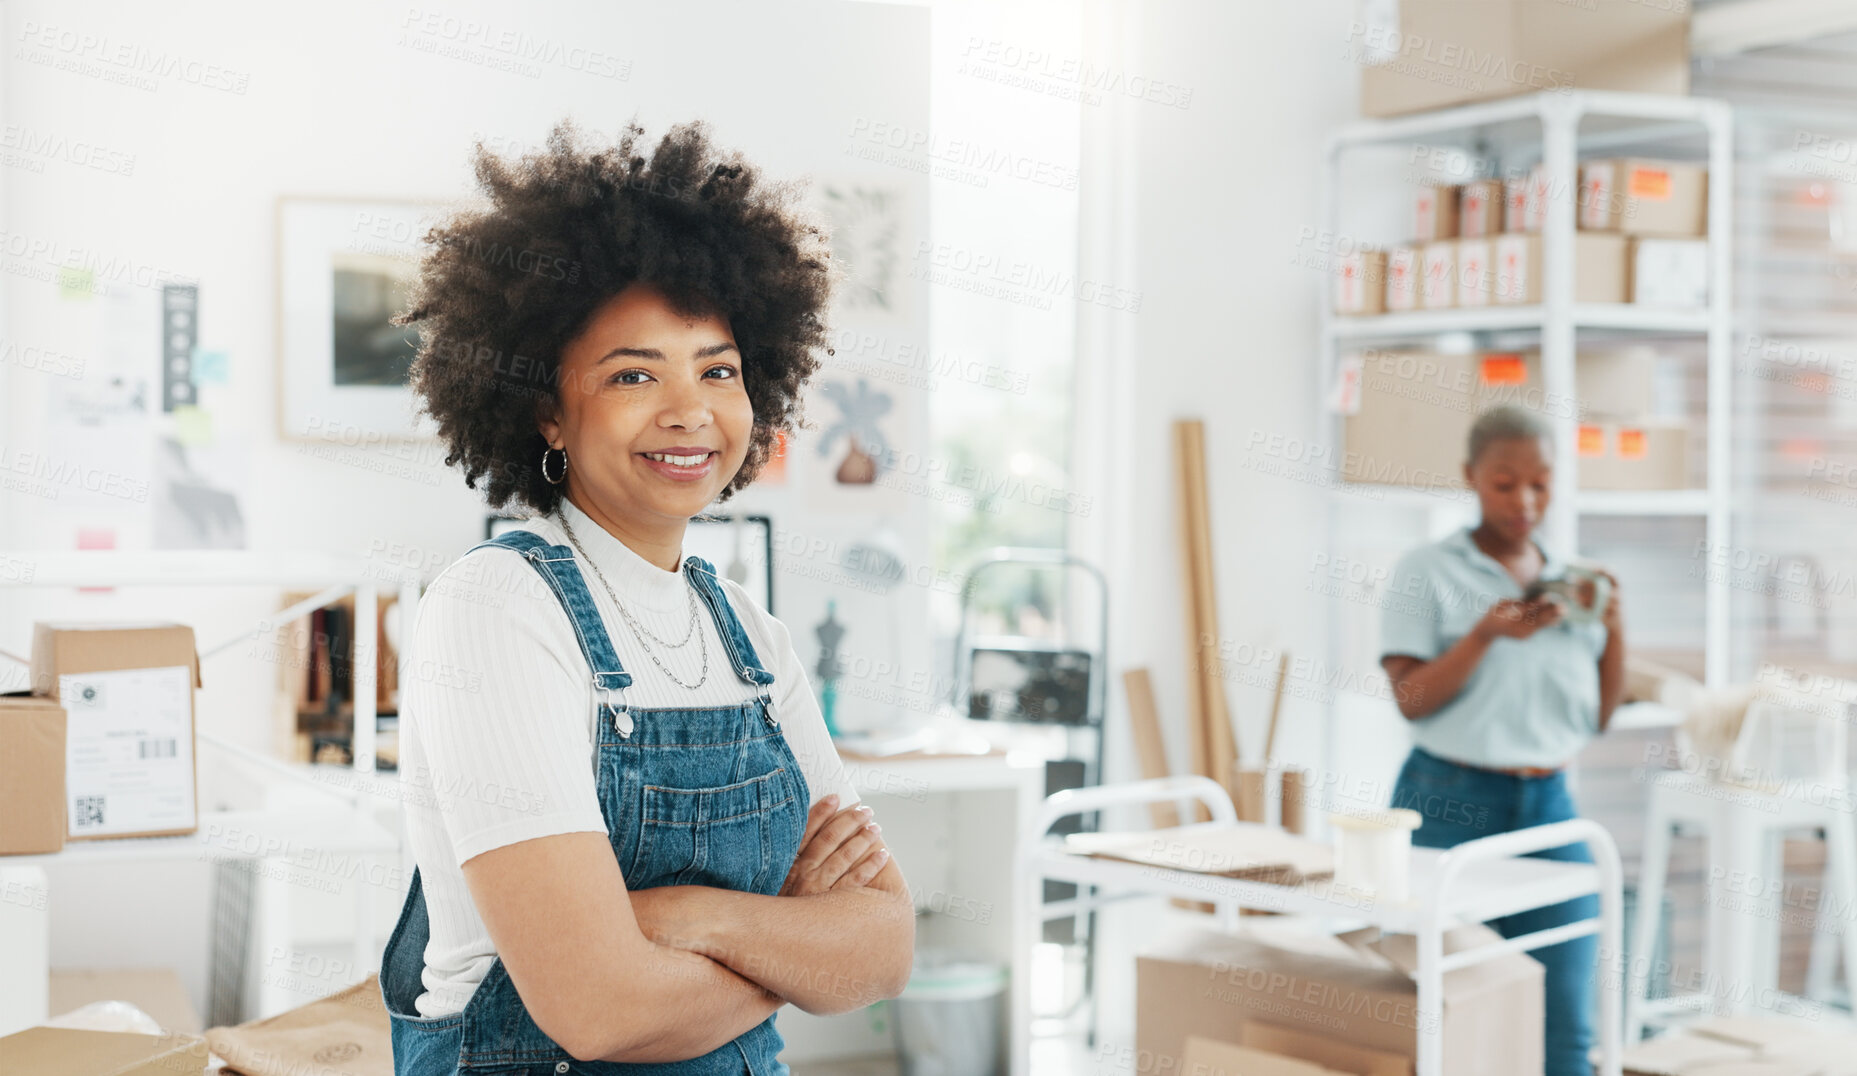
1529	702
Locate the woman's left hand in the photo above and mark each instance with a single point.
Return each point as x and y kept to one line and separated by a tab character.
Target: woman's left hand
1613	617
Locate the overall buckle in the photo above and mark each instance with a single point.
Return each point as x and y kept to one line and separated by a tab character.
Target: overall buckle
622	718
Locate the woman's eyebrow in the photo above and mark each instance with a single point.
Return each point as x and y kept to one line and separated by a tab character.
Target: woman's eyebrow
656	355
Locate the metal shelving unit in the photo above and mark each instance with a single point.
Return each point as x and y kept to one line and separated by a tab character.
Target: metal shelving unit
1557	129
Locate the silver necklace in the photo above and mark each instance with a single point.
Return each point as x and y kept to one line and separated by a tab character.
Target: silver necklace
637	631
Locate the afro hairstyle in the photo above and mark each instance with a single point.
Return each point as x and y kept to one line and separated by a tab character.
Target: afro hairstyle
502	289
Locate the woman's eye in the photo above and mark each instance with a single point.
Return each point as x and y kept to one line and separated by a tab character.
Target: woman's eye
617	378
729	370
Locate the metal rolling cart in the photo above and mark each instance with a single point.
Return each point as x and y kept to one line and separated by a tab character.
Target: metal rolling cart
1476	881
1035	682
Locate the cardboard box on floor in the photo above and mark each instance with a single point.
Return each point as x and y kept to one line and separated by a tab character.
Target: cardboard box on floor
32	732
156	991
71	1052
1424	54
1347	990
1211	1057
127	691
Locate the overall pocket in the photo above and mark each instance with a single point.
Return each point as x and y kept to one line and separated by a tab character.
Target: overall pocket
715	836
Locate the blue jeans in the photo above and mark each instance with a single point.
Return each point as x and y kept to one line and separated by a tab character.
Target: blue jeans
1459	803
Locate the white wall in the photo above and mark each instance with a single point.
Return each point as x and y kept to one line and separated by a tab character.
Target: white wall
1214	203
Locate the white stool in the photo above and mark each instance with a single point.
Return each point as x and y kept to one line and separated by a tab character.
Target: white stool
1745	826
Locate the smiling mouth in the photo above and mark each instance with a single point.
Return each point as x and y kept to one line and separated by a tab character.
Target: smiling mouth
676	460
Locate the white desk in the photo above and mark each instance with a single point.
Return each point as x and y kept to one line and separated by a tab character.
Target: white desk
952	822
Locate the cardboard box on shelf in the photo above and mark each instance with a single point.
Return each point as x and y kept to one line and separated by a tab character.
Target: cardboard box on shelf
1352	990
1438	275
1424	54
1408	423
1601	268
1476	279
1480	209
127	691
1645	455
1669	272
32	732
1644	197
72	1052
1409	413
1617	382
1360	282
1516	205
1434	212
1402	278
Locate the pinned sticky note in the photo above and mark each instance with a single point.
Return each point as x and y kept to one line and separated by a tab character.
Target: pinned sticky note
211	367
1592	441
75	283
1631	444
192	425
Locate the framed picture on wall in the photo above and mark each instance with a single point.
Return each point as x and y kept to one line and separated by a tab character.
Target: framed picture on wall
344	267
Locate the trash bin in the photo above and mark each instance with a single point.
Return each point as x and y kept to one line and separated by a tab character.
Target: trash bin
948	1019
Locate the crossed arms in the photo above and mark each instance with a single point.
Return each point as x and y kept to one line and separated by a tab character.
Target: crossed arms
673	972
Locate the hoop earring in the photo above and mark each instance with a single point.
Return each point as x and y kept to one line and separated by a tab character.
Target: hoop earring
563	478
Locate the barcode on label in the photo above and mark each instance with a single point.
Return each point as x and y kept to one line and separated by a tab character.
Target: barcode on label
89	811
156	748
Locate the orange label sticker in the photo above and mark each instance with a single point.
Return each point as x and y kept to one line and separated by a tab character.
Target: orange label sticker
1650	183
1631	444
1592	441
1503	370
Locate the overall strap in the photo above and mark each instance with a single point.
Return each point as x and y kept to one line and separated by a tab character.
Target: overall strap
556	565
741	652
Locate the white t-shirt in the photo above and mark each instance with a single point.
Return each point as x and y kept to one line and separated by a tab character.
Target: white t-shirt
498	714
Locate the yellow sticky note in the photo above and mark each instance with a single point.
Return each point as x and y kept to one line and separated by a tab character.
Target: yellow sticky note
76	283
192	425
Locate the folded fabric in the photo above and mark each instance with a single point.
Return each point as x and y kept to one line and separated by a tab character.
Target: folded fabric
344	1034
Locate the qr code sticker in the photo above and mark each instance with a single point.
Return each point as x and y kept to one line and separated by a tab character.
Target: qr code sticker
89	811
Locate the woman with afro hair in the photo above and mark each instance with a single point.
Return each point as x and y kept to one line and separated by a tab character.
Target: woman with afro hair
634	839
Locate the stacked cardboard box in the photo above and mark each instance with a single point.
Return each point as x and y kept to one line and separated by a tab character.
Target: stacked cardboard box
32	746
1343	1003
1424	54
1408	417
1659	209
127	695
1621	445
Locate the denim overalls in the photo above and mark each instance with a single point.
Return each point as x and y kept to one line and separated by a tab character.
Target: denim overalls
691	795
